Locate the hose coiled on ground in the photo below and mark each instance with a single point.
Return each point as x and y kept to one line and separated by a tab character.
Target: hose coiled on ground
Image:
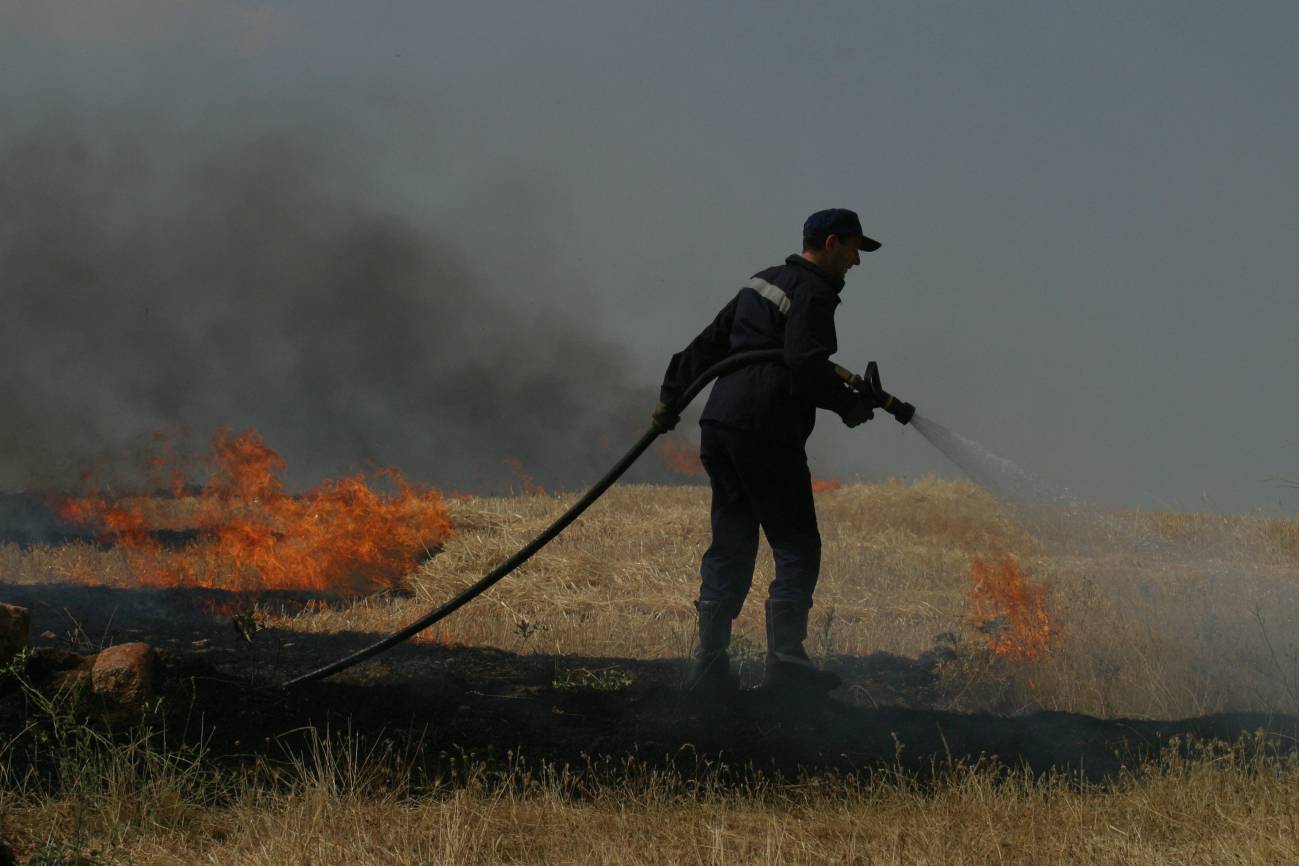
730	364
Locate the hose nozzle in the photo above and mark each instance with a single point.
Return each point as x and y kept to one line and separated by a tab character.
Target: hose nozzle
868	385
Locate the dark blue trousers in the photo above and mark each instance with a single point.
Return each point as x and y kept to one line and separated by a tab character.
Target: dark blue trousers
758	484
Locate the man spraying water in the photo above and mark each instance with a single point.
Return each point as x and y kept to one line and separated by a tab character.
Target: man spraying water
754	430
768	351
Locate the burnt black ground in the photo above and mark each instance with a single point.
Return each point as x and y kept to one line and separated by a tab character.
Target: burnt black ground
489	704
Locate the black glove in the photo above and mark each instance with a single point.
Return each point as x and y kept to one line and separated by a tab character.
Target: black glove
857	412
663	419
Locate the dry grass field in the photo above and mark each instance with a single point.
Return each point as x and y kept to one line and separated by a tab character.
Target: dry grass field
1151	616
1158	615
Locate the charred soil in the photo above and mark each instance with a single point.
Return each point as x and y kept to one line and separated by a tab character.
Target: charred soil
452	705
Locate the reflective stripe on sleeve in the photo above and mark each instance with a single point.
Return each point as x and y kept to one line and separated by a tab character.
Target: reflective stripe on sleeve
771	292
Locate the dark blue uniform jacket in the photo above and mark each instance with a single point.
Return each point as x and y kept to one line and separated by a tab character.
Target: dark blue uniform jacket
790	307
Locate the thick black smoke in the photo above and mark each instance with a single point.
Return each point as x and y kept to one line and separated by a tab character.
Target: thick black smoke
156	280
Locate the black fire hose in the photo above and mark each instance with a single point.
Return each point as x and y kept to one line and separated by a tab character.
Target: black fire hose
734	362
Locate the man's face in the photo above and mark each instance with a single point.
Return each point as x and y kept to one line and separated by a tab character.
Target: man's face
841	253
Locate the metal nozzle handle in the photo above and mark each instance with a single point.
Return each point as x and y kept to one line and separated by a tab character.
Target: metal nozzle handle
868	385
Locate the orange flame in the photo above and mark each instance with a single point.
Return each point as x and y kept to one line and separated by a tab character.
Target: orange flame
343	537
822	484
530	485
680	458
1010	610
165	472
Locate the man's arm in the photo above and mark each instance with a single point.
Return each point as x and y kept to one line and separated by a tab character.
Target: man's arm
711	346
810	340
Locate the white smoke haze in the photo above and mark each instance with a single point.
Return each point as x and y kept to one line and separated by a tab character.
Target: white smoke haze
1206	602
1183	614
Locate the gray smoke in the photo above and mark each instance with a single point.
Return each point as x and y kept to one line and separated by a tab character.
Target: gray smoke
163	280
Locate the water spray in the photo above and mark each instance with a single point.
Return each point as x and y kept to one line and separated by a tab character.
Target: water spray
990	471
994	473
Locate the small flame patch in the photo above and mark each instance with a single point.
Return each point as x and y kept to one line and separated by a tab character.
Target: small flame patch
1010	610
682	459
679	458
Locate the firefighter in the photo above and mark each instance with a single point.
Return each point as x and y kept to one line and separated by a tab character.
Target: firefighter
754	429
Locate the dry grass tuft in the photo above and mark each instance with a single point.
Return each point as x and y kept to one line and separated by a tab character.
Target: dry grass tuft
334	806
1161	615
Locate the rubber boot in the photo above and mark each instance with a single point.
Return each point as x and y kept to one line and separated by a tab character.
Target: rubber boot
710	665
789	670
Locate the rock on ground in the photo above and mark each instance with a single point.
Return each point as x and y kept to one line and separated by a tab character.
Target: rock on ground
123	674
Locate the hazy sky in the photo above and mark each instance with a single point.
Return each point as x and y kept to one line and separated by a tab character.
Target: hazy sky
1090	212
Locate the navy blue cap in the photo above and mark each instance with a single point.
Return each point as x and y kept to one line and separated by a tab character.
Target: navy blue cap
837	221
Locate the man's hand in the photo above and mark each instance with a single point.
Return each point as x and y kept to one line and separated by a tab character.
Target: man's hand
663	419
858	413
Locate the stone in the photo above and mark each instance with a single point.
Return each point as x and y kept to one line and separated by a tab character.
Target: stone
15	631
123	675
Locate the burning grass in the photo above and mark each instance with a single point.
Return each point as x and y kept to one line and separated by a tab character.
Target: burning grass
346	537
1012	611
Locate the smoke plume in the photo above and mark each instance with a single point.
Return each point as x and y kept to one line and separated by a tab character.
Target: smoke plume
164	280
